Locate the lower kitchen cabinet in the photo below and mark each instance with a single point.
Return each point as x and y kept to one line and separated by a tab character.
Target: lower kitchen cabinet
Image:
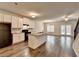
18	37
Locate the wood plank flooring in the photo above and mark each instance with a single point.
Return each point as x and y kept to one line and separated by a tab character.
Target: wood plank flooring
54	47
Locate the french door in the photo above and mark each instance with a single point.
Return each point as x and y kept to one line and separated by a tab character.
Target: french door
65	29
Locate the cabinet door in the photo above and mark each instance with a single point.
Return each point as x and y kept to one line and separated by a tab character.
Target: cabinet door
1	18
20	23
7	18
16	37
14	22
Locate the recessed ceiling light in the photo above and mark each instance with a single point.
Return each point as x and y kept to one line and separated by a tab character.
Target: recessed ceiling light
34	13
33	16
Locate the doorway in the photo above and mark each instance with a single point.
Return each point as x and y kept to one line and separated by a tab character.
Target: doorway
5	35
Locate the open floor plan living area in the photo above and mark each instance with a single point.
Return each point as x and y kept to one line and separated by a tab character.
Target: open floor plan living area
39	29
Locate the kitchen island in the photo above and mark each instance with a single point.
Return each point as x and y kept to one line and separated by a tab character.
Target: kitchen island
36	40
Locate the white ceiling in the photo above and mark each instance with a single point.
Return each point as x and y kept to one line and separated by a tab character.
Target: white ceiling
44	10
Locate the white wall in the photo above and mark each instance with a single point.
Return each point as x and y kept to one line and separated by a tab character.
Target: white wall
39	24
58	24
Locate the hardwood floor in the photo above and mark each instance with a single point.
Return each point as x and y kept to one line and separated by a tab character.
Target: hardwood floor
54	47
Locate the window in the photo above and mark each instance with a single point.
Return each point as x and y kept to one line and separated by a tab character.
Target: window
50	28
66	29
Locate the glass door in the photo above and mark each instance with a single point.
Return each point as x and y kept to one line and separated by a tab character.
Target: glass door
65	29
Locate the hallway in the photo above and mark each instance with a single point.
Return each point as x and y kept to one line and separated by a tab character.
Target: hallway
54	47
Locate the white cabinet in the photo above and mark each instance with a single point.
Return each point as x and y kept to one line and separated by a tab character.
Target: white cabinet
18	37
15	22
20	23
1	18
7	18
15	38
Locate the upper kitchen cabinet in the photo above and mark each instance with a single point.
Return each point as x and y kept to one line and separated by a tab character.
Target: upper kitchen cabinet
15	22
1	18
7	18
20	22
